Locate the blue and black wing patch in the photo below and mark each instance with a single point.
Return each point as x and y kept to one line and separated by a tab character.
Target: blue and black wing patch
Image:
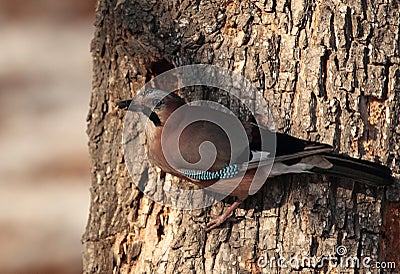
224	173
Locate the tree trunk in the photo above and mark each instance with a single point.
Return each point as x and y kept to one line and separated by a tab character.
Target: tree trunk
330	72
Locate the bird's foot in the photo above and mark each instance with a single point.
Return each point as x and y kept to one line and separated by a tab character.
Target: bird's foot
216	222
219	220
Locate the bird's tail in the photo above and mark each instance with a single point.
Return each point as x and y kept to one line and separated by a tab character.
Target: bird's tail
359	170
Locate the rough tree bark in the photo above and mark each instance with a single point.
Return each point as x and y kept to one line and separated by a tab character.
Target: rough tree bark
331	73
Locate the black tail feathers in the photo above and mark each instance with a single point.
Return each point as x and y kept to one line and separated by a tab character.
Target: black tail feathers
359	170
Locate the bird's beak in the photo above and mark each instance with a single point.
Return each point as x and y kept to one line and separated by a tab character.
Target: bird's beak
134	105
124	104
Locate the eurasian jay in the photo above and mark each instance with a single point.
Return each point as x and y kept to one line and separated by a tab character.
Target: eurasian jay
292	155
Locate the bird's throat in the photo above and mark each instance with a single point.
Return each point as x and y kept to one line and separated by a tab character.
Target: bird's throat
155	119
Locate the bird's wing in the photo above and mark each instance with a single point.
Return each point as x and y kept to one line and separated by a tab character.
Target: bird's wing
209	140
293	155
287	159
283	149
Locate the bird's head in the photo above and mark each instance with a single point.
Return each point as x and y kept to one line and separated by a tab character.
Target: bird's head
156	104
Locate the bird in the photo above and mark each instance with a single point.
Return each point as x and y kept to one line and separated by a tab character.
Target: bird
235	168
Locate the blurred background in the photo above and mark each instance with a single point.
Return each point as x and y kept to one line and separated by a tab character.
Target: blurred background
45	83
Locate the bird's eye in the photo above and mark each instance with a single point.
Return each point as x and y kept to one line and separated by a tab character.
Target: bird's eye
157	102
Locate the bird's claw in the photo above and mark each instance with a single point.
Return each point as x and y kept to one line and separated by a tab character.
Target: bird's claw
219	220
215	222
